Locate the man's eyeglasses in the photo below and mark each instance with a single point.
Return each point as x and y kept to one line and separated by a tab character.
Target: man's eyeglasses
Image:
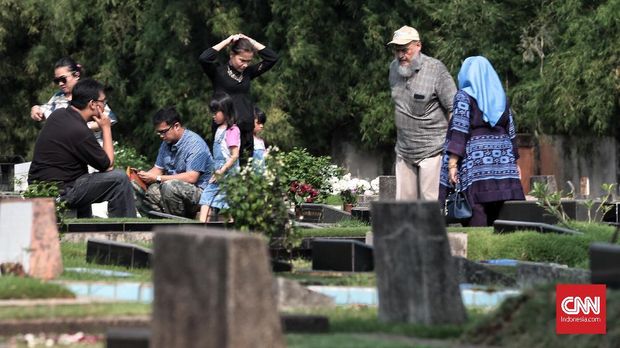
103	101
60	79
163	131
402	49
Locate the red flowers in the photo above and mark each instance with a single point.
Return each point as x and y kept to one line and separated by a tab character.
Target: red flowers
302	193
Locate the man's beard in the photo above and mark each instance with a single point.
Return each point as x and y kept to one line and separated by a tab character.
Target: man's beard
405	70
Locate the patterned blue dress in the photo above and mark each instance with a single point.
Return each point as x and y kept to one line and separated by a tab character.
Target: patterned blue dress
487	168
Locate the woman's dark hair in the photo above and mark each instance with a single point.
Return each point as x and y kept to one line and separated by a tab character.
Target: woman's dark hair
259	115
168	114
84	91
223	102
71	64
242	45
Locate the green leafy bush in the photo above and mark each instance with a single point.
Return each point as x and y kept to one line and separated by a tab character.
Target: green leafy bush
126	156
256	198
301	166
51	190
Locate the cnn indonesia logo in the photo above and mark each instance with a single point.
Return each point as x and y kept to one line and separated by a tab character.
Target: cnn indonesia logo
580	309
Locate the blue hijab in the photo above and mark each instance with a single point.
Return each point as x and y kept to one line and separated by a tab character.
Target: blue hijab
480	81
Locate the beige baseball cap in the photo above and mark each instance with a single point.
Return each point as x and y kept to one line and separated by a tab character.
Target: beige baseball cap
404	36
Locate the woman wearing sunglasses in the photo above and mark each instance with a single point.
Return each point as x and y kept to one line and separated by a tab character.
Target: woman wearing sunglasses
67	73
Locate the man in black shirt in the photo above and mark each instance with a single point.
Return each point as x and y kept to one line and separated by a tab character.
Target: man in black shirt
66	147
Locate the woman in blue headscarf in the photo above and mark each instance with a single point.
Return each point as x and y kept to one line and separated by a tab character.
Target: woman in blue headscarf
481	151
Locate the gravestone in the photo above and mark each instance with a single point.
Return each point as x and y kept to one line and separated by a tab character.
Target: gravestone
575	209
387	187
322	213
291	294
361	214
534	273
312	213
508	226
29	236
605	264
213	288
341	255
417	280
107	252
474	273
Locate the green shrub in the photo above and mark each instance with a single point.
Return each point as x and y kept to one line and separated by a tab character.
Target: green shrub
126	156
301	166
256	198
51	190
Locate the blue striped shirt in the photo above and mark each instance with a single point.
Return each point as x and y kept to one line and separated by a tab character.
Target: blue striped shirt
190	153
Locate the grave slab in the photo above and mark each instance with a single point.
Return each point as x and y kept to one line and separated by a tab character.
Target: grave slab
106	252
29	236
474	273
417	280
291	294
387	187
213	288
534	273
322	213
507	226
605	264
531	212
341	255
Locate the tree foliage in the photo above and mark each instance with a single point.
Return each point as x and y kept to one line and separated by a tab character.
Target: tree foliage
559	61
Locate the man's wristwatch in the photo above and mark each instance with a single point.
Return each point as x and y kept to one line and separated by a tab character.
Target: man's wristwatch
158	178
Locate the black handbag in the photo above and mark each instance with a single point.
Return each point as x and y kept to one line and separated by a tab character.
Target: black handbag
457	208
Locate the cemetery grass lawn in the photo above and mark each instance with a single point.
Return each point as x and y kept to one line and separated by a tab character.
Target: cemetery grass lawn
74	256
483	244
30	288
343	341
75	311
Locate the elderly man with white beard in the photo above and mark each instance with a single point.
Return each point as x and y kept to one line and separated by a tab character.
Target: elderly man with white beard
422	90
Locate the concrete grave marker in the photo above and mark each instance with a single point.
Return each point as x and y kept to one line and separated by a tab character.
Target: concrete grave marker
29	236
213	288
387	188
417	280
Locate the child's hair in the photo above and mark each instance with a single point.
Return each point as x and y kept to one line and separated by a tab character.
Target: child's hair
259	115
223	102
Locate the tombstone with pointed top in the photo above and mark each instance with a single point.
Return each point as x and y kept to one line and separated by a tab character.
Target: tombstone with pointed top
417	280
213	288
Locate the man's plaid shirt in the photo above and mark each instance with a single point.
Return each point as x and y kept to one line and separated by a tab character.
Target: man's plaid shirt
423	103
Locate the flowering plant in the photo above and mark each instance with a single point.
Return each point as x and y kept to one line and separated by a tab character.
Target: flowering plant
302	193
349	188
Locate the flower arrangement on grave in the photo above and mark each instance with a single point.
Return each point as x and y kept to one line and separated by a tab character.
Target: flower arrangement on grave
350	188
300	192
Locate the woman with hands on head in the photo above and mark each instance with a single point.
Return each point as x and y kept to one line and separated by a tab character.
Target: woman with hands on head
234	78
67	72
481	151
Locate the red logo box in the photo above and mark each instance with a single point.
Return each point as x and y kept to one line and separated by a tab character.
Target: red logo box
580	309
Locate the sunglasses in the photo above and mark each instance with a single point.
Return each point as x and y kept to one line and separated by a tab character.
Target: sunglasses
60	79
